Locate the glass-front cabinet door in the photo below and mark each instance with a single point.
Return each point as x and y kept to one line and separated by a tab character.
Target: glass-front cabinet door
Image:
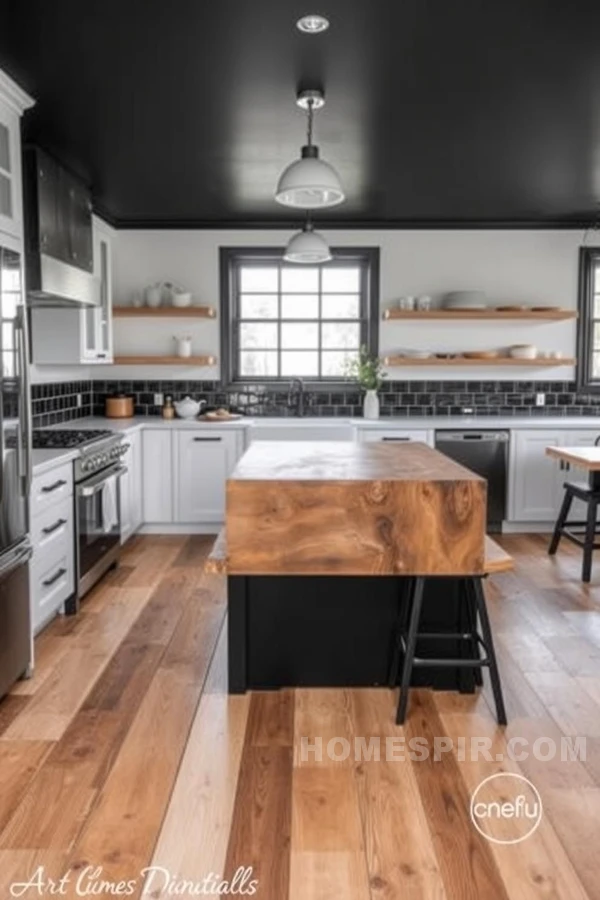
97	320
9	171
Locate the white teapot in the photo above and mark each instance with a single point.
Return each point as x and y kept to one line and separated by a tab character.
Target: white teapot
188	408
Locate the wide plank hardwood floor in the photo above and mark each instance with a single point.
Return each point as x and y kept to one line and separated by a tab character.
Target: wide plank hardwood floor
124	751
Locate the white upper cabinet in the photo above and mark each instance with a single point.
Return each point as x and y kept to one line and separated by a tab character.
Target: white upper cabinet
204	461
96	332
13	103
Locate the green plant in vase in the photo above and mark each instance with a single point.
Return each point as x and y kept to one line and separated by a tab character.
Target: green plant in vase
367	371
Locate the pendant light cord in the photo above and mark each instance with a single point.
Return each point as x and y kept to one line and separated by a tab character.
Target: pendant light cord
309	130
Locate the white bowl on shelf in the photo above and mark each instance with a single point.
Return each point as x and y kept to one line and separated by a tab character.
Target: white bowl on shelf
523	351
181	299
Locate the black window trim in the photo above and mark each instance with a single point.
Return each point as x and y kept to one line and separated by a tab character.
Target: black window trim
589	257
229	255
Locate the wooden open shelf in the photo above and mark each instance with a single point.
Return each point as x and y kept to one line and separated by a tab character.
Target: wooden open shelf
165	360
164	312
461	361
551	315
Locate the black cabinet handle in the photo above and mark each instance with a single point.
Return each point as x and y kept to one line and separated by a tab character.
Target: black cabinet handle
52	528
213	439
54	577
395	439
47	489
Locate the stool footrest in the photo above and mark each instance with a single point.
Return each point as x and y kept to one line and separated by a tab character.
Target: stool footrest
575	539
452	663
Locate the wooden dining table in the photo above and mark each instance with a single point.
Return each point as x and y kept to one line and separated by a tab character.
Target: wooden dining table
586	458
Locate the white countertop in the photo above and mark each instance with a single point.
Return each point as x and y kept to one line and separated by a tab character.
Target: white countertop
480	422
48	459
45	460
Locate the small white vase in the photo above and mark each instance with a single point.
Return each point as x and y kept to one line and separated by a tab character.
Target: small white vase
371	405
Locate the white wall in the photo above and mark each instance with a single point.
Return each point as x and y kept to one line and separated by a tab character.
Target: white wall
529	267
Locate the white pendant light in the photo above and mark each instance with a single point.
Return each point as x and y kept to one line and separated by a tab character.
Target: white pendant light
307	246
310	182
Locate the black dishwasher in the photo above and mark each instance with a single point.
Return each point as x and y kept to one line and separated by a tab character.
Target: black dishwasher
486	454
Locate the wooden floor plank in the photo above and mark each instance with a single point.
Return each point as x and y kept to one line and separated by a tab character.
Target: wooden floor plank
263	809
203	795
11	707
401	858
326	714
122	829
468	868
19	763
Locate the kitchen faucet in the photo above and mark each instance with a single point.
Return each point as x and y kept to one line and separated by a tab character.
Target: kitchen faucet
296	396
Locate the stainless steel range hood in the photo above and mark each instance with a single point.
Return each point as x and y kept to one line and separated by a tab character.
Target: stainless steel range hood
59	240
52	282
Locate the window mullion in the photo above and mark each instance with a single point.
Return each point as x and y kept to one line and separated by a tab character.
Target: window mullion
279	314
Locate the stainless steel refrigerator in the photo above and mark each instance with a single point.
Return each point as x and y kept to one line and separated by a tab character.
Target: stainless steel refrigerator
15	472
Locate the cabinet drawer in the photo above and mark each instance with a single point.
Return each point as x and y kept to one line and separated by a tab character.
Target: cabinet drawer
52	581
52	525
371	435
50	488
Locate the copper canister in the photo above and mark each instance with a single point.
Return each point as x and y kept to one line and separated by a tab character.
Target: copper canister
120	407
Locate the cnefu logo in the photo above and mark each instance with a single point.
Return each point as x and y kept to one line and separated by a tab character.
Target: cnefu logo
506	808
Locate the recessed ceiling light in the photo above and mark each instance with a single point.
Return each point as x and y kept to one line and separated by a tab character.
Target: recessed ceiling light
312	24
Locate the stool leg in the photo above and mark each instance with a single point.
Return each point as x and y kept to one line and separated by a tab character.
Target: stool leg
403	608
560	522
471	612
489	643
590	537
411	644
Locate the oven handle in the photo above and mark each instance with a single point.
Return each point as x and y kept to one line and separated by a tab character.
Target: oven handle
92	487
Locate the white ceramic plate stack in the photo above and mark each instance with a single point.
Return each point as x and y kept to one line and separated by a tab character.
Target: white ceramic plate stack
417	354
465	300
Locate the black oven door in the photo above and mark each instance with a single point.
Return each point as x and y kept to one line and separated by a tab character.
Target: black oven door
98	523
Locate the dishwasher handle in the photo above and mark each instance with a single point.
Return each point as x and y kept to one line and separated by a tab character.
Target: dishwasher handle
442	437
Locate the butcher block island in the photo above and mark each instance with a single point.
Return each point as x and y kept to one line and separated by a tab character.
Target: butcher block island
322	538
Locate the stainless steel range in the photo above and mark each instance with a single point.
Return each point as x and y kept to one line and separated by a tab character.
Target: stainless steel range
97	471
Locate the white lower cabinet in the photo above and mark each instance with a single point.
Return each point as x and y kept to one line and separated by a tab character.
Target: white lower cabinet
157	476
203	463
395	435
536	480
130	488
52	567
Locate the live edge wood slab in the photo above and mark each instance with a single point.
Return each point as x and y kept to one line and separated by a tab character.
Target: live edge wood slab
342	508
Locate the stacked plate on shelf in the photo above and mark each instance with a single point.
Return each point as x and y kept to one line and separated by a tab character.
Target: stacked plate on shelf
465	300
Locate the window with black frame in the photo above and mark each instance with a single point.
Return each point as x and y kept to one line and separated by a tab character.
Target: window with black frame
283	320
588	343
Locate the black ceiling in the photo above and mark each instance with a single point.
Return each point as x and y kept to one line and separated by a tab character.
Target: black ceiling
482	112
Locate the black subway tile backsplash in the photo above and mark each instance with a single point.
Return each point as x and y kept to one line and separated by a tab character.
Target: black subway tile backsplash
58	402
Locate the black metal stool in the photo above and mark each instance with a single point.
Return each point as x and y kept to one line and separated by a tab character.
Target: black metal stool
590	494
405	642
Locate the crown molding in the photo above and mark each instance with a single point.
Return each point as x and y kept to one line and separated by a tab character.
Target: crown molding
14	96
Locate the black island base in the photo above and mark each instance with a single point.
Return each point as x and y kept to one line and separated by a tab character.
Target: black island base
338	631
